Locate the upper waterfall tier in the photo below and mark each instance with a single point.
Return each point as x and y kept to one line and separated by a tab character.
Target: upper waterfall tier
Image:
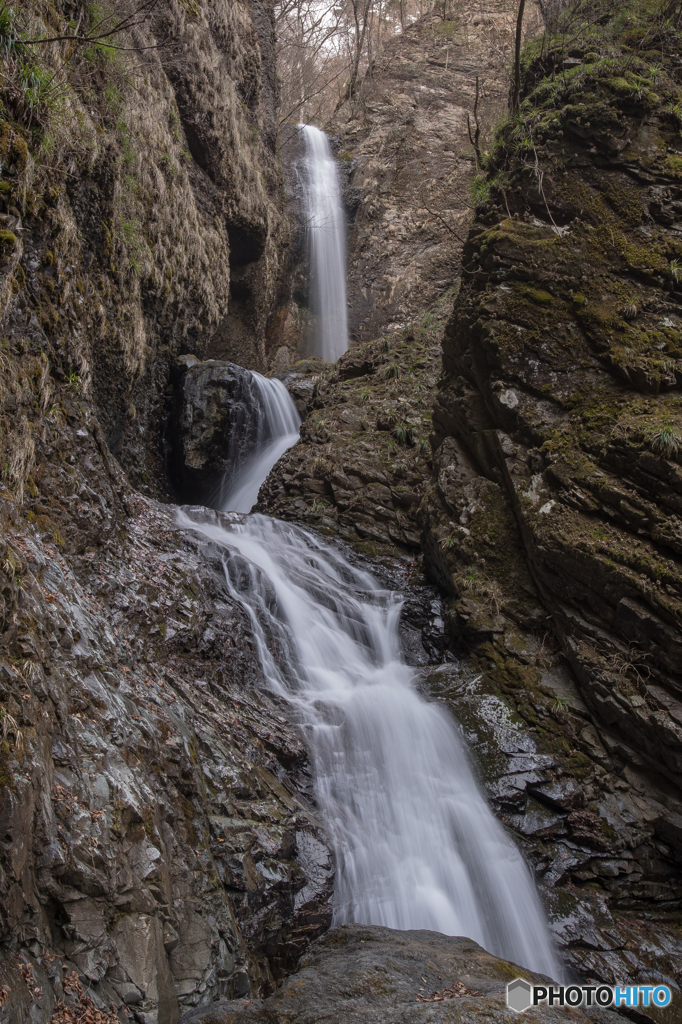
326	234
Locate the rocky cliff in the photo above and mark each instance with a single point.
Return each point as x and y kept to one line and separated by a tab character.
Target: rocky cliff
407	169
404	140
158	847
156	831
558	416
557	432
141	213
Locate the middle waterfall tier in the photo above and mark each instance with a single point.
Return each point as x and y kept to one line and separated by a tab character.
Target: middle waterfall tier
274	427
416	843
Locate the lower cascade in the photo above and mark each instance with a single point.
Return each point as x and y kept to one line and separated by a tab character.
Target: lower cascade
326	234
276	429
416	844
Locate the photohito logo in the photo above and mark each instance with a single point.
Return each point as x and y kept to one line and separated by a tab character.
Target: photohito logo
521	995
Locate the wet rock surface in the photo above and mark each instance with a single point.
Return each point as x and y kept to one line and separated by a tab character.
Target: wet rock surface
360	469
213	424
357	973
589	824
157	839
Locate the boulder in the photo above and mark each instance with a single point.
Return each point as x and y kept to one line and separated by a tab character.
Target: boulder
215	423
358	973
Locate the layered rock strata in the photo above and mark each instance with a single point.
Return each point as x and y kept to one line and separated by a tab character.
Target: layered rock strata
157	839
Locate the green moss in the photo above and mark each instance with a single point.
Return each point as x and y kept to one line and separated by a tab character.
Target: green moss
620	86
542	298
7	240
19	153
673	166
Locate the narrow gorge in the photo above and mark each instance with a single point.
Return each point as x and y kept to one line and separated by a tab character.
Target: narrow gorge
340	556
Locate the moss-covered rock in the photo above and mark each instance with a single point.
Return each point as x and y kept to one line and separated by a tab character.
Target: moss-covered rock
563	364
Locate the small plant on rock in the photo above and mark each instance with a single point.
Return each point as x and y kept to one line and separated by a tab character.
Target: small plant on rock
666	440
560	706
402	433
390	371
9	727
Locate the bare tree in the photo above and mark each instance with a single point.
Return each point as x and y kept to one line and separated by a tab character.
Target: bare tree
516	92
324	48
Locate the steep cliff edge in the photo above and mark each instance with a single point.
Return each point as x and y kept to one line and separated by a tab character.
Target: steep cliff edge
141	197
558	425
156	830
561	378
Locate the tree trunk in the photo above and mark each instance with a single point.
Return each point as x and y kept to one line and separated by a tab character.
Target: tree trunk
517	57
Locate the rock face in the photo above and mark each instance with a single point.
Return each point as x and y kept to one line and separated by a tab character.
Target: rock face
359	469
410	164
369	974
214	422
559	412
157	839
167	237
407	169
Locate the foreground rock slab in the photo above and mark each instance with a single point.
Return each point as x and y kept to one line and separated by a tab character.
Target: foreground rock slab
358	973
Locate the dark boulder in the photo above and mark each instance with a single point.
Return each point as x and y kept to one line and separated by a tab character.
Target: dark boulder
213	425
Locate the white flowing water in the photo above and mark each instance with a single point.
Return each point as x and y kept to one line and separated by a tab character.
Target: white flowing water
276	429
326	234
416	844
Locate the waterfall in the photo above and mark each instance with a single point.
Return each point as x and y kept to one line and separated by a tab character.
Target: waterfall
326	234
416	843
266	424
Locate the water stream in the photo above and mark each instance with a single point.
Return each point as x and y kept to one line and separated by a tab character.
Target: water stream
326	236
416	843
270	424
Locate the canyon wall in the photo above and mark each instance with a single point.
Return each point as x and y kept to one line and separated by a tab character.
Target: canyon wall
156	824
